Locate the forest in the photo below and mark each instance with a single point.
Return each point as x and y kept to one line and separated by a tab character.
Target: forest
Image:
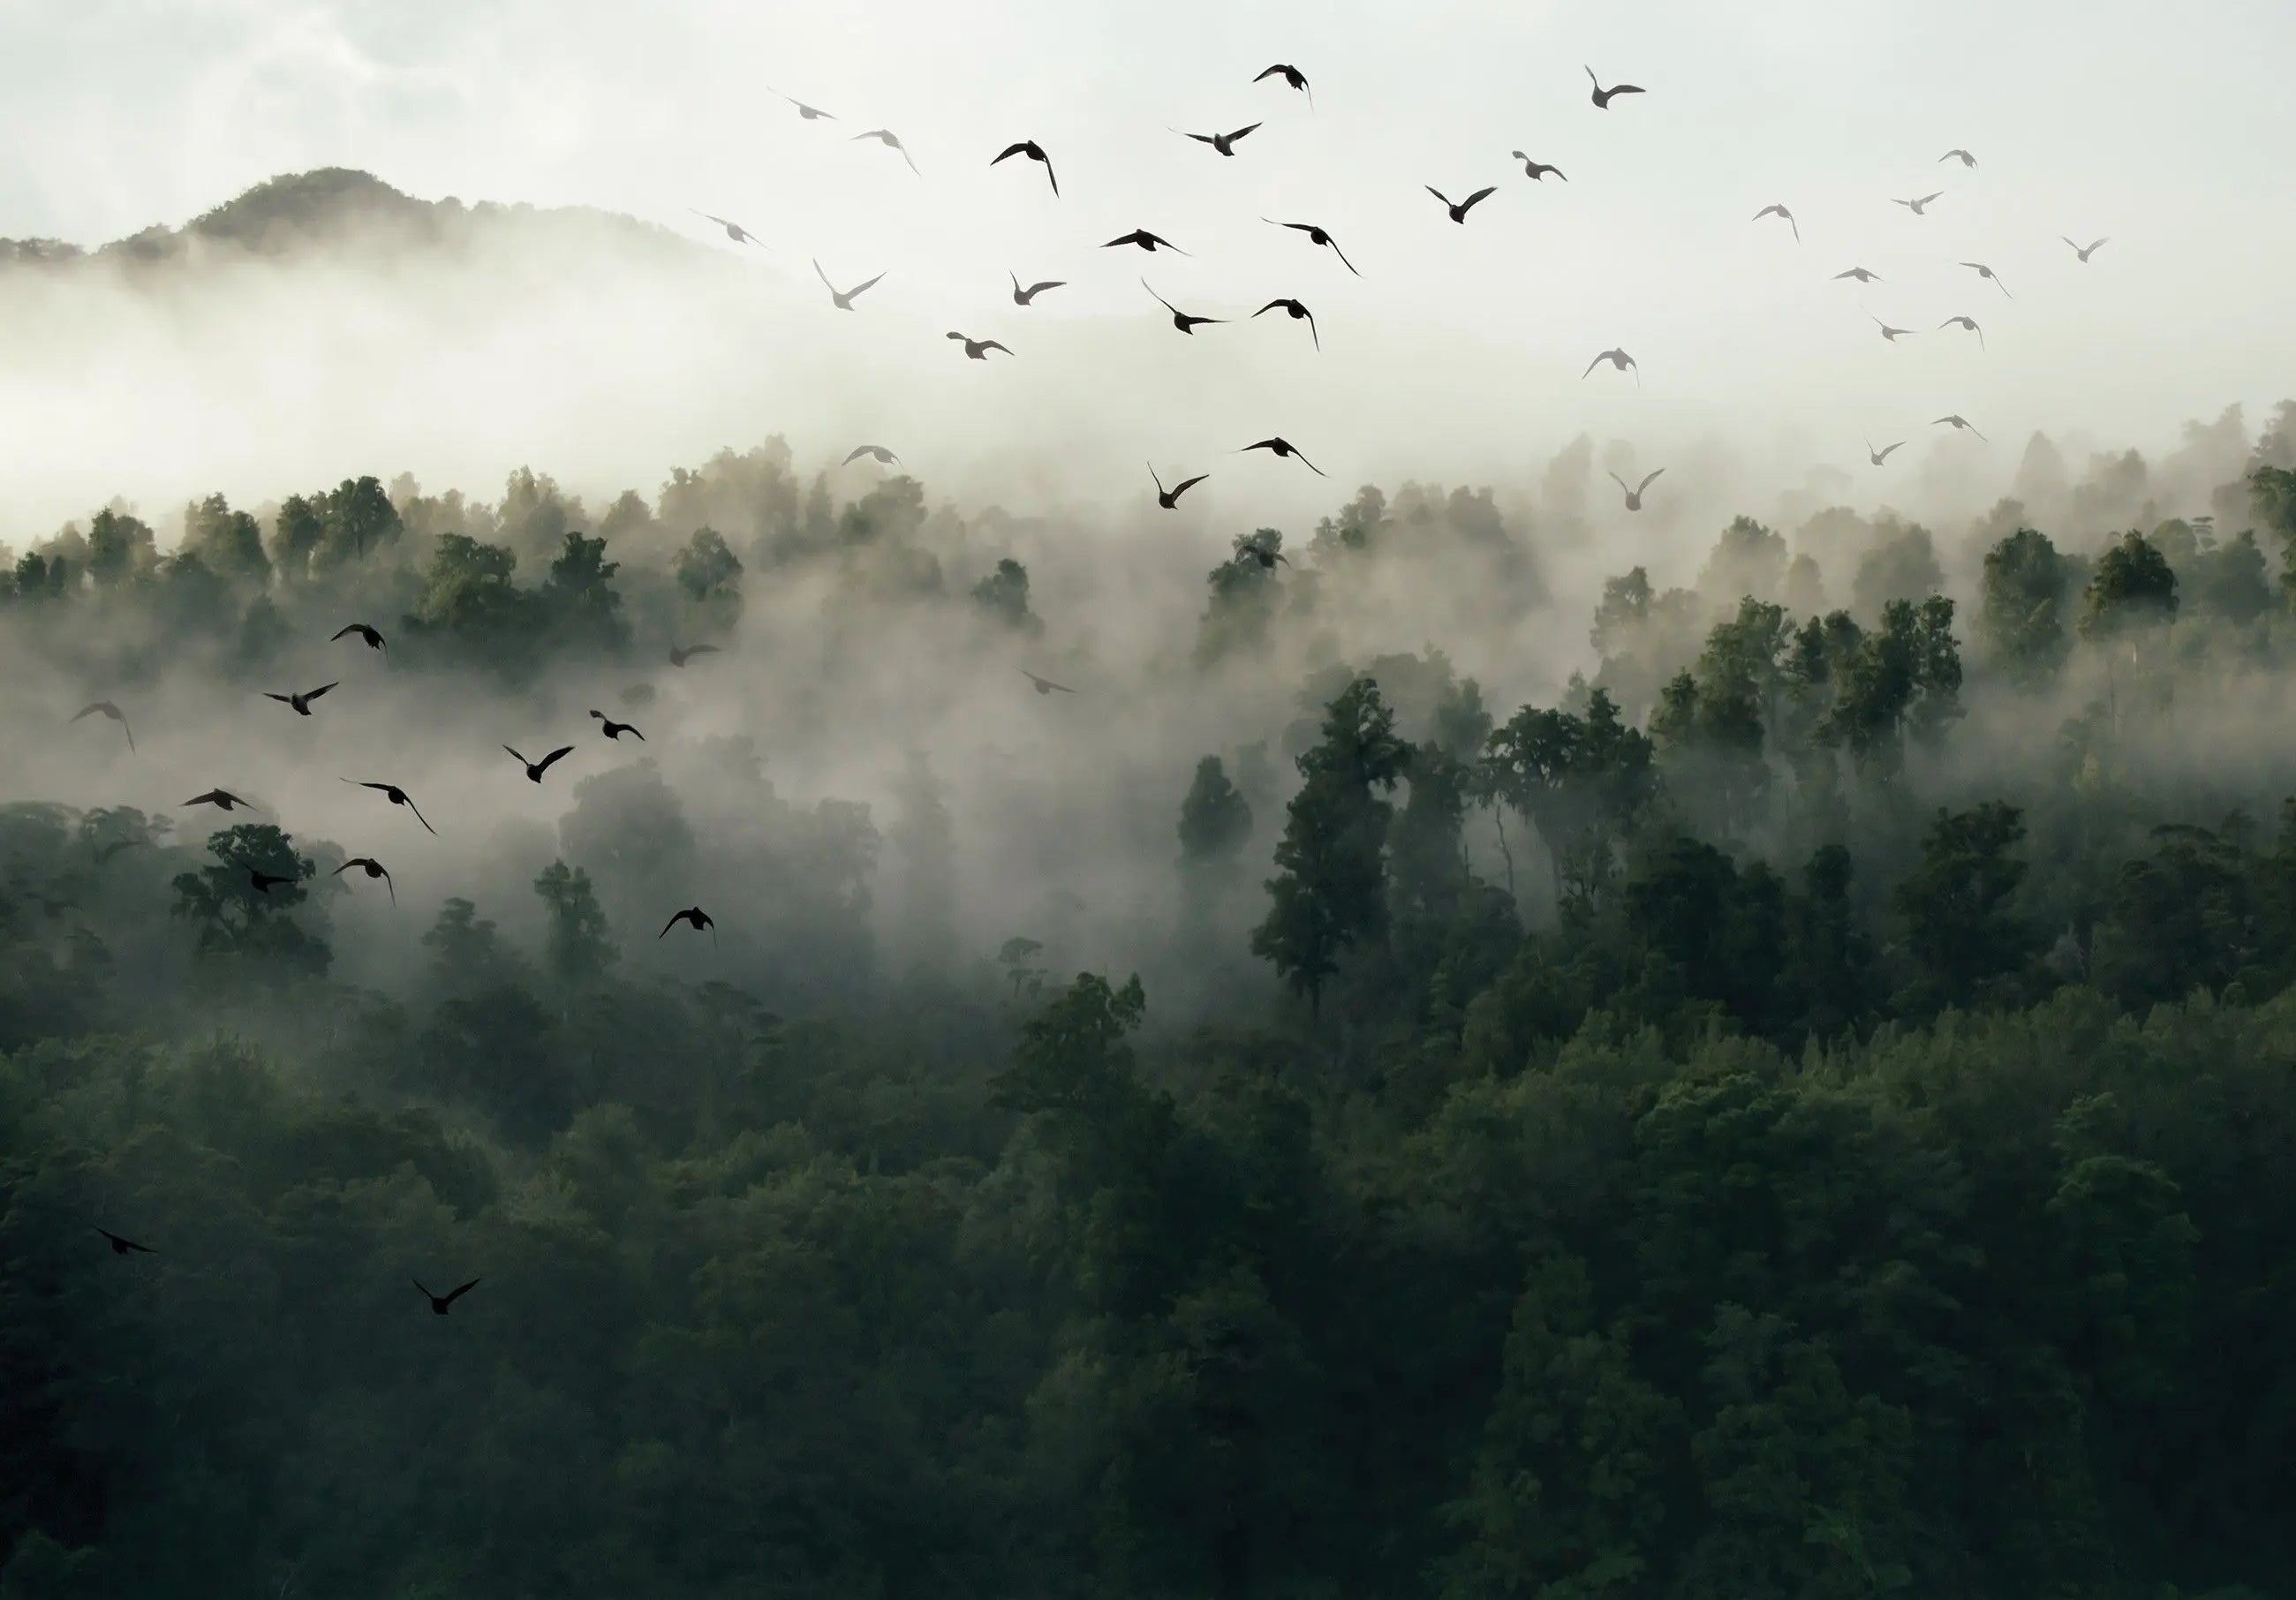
1801	1107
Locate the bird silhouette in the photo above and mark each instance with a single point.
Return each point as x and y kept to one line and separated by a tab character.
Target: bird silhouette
978	348
1044	686
439	1302
1780	211
1983	271
220	798
1316	235
874	452
1889	332
535	769
121	1247
1282	447
1181	319
397	797
1601	96
1145	240
1458	209
1021	297
1252	550
615	730
1296	311
106	852
1635	495
1292	76
1957	421
1916	206
1967	322
1963	156
845	298
699	918
809	114
1170	498
733	230
1537	170
678	658
1617	358
104	708
1861	274
374	869
374	639
1034	153
1878	457
886	137
1223	142
2078	250
301	703
263	880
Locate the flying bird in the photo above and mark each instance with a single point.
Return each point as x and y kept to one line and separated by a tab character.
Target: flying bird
1963	156
1914	205
374	869
220	798
1983	271
1034	153
1282	447
874	452
535	769
1780	211
1536	170
300	704
1170	498
807	112
886	137
678	658
1635	495
1292	76
263	880
1266	557
374	639
1181	320
106	708
121	1247
1617	358
1296	311
1460	208
699	918
978	348
733	230
439	1302
615	730
1878	457
2078	250
1967	322
1861	274
397	797
1021	297
1316	235
1044	686
845	298
1601	96
1223	142
1145	240
1957	421
1889	332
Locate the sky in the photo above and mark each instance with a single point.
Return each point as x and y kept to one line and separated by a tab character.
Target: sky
1457	355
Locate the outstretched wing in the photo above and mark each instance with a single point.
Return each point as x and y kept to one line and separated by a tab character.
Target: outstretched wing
672	923
822	276
285	700
1646	483
424	1293
1185	484
521	760
987	344
1626	89
563	750
321	689
1009	149
455	1294
1239	132
1468	203
1438	193
859	288
1621	482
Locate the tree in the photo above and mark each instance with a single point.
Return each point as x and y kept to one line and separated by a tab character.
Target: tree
253	928
2134	592
2021	615
1961	927
295	535
227	543
1748	562
1904	566
1003	593
119	549
358	519
579	600
1215	818
709	574
579	947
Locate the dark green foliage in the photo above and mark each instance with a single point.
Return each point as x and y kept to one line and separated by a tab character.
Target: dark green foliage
1215	818
1961	925
253	931
2021	617
1003	593
2134	590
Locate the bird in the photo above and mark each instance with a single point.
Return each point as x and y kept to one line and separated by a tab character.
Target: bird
1617	358
397	797
1965	159
1601	96
535	769
1780	211
678	658
1145	240
978	348
844	300
1635	495
374	639
121	1247
439	1302
374	869
1021	297
886	136
1957	421
1889	332
1283	447
301	703
1460	208
733	230
1878	457
1170	498
1181	319
1983	271
1044	686
1266	557
220	798
615	730
1223	142
263	880
1967	322
106	852
114	713
1296	311
1292	76
1861	274
1316	235
2078	250
1536	170
1914	205
874	452
699	918
1034	153
807	112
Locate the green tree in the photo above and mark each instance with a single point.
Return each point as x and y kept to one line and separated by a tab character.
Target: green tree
253	928
1962	931
579	600
1004	595
2133	592
579	948
227	543
119	549
1215	818
2021	615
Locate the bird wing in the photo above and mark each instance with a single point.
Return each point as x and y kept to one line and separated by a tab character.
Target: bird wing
1262	311
858	452
1626	89
1483	193
1438	193
1161	300
1310	465
285	700
1591	366
1312	333
1342	255
521	760
419	1289
1885	454
1271	72
1646	482
1009	149
701	650
353	629
455	1294
2101	243
1927	198
321	689
423	819
1035	289
822	276
1791	223
1239	132
859	288
1185	484
1265	444
1049	175
346	866
563	750
1619	481
990	344
667	926
86	712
